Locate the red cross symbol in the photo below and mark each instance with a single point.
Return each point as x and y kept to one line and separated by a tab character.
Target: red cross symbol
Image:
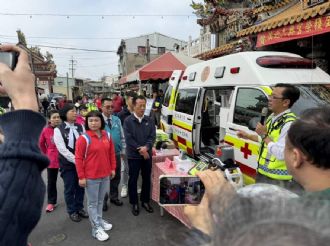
246	151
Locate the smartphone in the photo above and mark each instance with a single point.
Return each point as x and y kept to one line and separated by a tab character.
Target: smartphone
9	58
180	190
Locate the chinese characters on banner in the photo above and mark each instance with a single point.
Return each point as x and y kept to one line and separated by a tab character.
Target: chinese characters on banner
296	31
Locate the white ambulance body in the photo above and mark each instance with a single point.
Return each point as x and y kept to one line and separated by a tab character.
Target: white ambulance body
168	102
216	98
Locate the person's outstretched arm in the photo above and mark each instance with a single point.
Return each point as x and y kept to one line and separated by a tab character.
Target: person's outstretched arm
22	189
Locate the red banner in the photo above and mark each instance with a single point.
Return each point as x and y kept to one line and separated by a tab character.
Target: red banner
296	31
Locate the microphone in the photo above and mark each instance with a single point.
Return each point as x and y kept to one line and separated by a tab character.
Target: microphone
264	113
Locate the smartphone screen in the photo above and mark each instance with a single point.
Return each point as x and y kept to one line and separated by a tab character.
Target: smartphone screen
187	190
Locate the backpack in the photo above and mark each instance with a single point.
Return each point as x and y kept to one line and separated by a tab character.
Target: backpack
88	140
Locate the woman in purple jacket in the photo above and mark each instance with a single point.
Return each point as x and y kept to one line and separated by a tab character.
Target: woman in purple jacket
48	147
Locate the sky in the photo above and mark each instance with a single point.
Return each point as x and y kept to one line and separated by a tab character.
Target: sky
92	32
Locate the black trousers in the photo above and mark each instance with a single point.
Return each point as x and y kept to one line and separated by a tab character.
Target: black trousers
51	185
114	183
73	193
134	166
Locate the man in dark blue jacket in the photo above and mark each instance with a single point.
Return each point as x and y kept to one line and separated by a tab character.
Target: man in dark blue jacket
140	134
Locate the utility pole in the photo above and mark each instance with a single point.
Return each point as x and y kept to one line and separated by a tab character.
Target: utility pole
148	50
72	65
67	86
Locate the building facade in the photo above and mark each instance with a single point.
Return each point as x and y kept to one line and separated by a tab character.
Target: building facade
297	26
71	87
92	88
137	51
112	81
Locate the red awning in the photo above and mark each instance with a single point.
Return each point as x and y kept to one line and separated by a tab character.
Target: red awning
161	68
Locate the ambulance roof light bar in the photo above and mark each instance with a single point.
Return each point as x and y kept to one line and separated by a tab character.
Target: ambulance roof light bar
285	62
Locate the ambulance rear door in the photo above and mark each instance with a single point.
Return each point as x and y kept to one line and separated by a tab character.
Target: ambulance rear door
168	102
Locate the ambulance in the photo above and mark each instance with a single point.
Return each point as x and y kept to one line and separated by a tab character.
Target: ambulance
168	102
218	97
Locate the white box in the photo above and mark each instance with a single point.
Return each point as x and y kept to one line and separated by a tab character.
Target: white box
182	166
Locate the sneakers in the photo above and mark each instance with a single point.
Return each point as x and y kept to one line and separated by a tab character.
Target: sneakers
50	208
106	225
123	191
100	235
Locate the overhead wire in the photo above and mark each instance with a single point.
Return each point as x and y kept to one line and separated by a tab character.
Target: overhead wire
95	15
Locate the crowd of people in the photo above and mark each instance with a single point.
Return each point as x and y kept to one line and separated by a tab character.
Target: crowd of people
86	144
88	156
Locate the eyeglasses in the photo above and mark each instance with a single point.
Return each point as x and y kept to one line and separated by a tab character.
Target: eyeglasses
108	107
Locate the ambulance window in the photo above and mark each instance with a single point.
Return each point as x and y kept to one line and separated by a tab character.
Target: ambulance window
249	104
185	101
311	96
167	96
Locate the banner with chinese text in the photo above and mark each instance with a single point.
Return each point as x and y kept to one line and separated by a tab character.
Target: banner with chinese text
296	31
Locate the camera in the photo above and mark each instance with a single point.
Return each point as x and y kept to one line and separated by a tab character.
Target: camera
9	58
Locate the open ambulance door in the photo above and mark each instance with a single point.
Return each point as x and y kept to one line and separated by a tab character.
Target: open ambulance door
186	123
245	112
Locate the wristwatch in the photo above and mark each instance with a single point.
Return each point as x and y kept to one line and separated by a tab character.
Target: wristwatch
263	136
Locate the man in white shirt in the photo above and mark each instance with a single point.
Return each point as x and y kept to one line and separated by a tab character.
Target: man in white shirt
271	166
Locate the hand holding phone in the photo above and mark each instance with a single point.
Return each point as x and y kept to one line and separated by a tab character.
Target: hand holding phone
200	216
19	83
180	190
9	58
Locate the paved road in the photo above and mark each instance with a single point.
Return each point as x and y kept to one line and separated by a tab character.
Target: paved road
144	230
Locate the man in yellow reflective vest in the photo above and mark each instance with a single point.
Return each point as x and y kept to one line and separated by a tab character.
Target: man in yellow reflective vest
271	166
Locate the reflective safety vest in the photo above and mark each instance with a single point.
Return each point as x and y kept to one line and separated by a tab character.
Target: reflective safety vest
91	107
268	165
2	111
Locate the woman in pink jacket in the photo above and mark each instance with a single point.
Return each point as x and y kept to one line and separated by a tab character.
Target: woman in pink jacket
48	147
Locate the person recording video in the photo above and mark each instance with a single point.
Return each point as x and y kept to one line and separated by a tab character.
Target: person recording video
21	162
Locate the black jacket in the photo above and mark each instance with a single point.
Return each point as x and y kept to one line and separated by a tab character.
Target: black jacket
123	114
22	189
139	134
64	163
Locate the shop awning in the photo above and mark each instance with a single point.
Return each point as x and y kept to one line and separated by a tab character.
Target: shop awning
161	68
292	23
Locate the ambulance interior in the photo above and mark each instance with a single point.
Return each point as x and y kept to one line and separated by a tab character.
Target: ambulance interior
249	103
213	100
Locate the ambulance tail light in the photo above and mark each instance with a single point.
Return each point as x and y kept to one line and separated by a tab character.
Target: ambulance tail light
234	70
285	62
185	77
